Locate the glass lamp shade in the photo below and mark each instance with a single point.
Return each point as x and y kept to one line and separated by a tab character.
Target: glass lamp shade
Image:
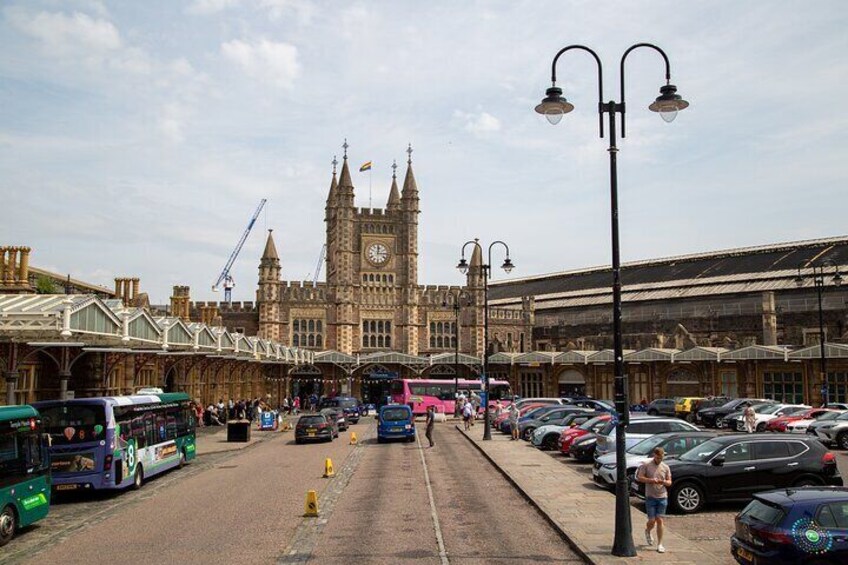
668	103
507	266
799	281
554	106
462	266
837	279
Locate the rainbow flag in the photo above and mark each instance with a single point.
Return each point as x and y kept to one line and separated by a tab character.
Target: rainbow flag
365	167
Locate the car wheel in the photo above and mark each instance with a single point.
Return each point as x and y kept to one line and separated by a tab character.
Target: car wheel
528	433
550	441
8	525
719	423
381	440
761	427
182	459
807	482
687	498
652	412
298	442
138	478
842	440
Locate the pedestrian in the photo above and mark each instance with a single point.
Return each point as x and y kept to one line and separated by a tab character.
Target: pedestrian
296	405
513	420
467	415
431	421
657	478
750	418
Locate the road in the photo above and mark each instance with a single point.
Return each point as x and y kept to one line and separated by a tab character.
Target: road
247	506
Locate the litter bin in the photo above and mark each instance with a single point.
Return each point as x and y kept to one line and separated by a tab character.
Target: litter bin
238	431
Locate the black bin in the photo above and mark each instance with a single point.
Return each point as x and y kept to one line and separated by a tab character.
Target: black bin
238	431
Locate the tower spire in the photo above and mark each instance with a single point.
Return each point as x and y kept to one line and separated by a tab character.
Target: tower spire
394	195
410	187
331	197
345	186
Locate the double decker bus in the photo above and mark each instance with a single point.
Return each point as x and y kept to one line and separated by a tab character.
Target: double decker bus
116	442
24	470
418	394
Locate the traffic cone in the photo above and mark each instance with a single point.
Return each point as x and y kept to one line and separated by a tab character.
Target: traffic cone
328	468
353	438
311	503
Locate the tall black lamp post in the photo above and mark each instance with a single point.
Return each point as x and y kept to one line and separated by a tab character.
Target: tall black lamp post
818	274
553	107
507	266
454	299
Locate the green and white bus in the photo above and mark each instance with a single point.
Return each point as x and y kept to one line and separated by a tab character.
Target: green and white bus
24	470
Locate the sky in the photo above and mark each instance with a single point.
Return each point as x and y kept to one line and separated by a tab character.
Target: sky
137	138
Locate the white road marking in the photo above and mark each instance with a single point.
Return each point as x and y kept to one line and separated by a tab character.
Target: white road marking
443	554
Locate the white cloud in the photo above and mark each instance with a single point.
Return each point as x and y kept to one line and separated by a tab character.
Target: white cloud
209	7
60	33
302	10
264	60
479	124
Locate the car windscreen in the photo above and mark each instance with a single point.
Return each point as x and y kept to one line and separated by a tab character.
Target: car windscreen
766	408
828	416
763	513
843	416
588	425
311	420
395	414
647	446
74	423
702	452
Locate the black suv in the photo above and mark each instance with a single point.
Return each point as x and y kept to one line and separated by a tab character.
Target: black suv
347	404
709	416
734	467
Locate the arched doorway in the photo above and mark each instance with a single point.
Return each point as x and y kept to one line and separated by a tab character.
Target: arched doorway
571	383
376	384
307	382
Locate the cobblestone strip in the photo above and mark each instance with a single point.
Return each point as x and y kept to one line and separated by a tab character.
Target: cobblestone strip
309	531
90	508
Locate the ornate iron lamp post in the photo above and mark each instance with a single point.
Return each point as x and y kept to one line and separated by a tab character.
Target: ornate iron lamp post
667	104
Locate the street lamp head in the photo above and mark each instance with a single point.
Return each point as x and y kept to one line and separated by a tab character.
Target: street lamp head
554	106
507	266
837	279
799	281
668	103
462	266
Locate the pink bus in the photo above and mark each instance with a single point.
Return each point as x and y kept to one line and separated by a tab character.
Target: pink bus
421	393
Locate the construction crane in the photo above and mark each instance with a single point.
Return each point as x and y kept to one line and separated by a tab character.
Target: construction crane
321	257
225	277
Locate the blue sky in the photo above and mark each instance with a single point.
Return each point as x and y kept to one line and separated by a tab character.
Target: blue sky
137	138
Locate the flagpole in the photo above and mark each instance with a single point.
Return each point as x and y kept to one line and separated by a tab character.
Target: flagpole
369	185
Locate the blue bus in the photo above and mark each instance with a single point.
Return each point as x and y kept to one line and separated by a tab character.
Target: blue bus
115	442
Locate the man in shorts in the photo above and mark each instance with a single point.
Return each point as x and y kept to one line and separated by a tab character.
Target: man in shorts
657	478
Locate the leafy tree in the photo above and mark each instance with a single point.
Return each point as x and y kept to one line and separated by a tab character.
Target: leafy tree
44	285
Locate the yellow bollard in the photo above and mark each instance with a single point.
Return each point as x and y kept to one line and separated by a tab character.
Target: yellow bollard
353	438
328	468
311	504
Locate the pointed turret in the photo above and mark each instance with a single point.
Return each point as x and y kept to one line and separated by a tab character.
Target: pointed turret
332	196
474	278
394	194
409	195
269	265
344	189
270	248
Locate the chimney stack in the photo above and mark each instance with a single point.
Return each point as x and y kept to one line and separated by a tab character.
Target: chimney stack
14	269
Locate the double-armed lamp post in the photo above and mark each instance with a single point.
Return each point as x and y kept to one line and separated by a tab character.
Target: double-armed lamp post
554	106
486	269
818	275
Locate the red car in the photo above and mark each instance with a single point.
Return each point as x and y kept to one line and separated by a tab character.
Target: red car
779	424
522	411
591	426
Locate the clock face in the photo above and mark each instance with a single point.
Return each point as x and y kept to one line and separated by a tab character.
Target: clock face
378	253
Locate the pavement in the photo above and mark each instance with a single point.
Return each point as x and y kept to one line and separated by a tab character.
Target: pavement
213	439
580	511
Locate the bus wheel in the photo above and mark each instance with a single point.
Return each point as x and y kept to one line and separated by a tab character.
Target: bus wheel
138	479
8	521
182	459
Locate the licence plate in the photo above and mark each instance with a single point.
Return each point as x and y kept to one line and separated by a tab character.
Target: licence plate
745	554
67	487
310	434
397	429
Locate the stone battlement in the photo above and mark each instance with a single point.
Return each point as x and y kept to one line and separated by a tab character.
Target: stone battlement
225	307
435	294
303	291
373	212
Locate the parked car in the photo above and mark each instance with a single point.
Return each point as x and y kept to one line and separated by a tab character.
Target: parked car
803	426
347	404
781	423
730	420
521	403
547	436
734	467
337	417
661	407
674	444
524	414
805	526
592	404
641	427
837	405
314	427
569	435
684	407
528	426
833	432
395	421
709	416
521	411
583	448
763	414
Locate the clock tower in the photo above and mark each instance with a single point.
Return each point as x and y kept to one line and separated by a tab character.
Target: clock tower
372	267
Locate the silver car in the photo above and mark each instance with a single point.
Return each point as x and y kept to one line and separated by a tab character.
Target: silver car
833	432
641	427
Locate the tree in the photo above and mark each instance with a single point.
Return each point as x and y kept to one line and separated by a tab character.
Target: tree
44	285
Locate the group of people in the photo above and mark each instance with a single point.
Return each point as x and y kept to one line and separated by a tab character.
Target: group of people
466	407
218	414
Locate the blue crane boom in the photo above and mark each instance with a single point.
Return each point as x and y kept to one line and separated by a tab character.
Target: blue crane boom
225	274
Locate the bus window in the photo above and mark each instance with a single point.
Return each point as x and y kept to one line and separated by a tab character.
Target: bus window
32	450
9	460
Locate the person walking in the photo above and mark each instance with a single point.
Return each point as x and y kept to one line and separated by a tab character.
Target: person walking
513	420
656	477
750	418
467	415
430	422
